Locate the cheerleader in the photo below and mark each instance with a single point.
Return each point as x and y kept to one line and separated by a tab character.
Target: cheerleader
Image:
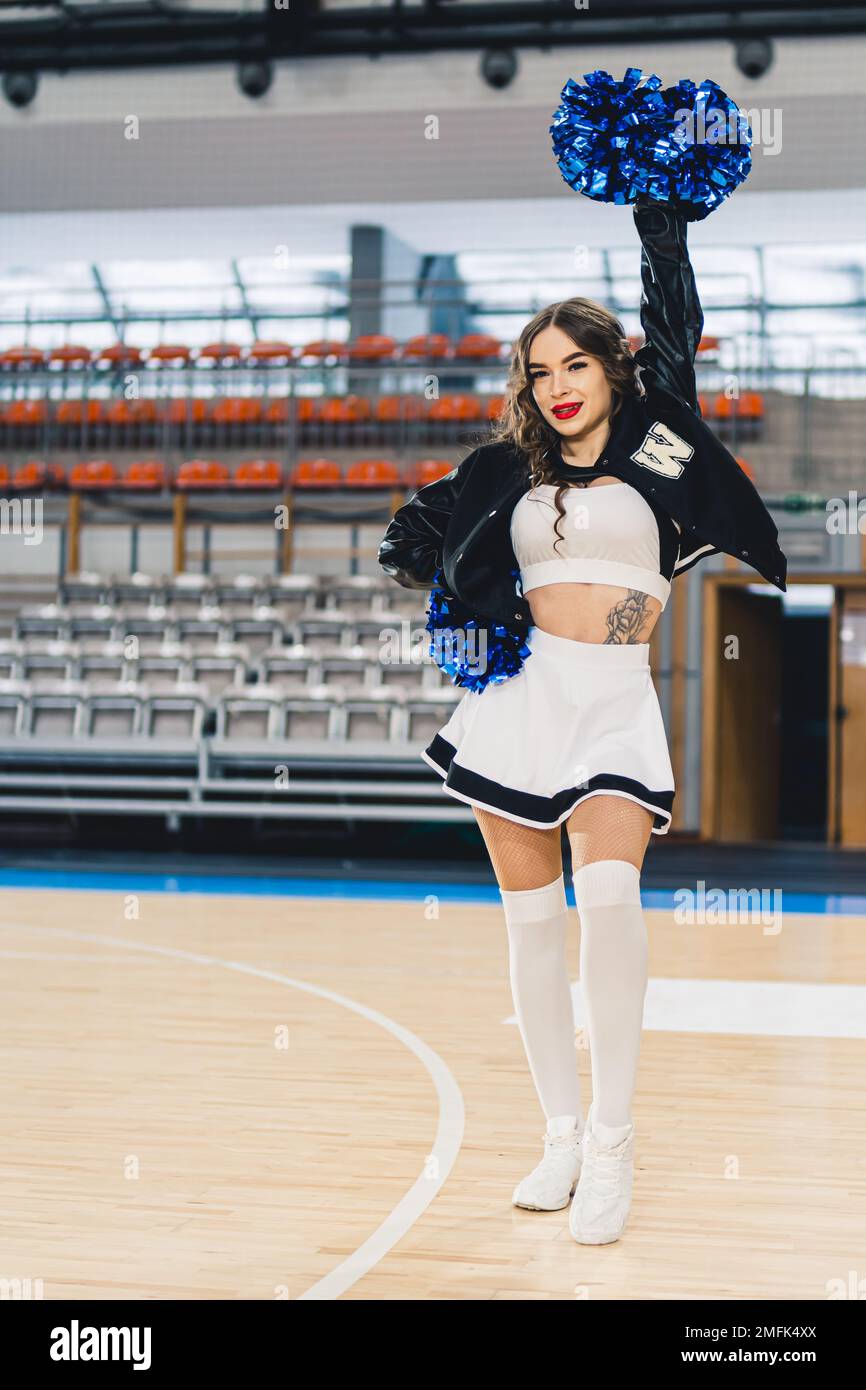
561	537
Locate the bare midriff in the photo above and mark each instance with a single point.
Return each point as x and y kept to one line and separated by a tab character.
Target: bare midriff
594	612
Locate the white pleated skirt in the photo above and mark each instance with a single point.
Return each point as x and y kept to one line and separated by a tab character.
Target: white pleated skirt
580	719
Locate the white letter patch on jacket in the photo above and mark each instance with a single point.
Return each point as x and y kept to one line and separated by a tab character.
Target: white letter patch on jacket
663	451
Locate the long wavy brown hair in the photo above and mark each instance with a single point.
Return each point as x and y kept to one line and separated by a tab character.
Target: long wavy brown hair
596	331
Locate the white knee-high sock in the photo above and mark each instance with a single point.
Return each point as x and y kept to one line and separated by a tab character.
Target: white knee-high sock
537	924
613	975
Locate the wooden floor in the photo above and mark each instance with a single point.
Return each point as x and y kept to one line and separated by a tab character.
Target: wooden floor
259	1098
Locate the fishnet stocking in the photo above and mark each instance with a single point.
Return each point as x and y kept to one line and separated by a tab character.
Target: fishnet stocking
608	827
601	827
522	855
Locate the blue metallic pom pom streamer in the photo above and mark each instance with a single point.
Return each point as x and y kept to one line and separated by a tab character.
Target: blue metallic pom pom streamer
473	652
685	145
598	134
700	147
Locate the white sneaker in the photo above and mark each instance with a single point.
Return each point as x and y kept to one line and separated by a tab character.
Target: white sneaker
603	1197
552	1181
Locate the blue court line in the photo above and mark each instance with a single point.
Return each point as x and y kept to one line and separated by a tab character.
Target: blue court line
138	882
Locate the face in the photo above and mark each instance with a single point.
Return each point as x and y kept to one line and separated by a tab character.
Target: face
563	377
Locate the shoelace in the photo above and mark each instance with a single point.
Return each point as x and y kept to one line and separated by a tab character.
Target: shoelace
604	1173
557	1146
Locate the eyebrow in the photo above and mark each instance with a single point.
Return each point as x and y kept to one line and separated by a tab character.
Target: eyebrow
569	358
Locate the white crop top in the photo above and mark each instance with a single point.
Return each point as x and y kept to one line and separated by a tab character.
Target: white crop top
610	535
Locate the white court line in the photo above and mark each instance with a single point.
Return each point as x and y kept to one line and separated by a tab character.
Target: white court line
768	1008
449	1130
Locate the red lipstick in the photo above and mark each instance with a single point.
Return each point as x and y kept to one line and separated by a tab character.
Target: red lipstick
567	412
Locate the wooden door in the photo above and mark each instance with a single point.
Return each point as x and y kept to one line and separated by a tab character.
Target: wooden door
742	665
850	761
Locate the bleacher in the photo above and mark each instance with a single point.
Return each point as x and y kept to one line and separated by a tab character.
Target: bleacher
191	694
223	417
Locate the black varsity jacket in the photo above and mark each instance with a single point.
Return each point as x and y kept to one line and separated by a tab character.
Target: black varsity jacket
658	443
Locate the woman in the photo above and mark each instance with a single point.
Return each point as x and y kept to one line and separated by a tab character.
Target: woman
599	485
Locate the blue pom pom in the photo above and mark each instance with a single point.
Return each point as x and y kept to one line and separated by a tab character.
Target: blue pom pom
684	145
471	651
598	136
698	147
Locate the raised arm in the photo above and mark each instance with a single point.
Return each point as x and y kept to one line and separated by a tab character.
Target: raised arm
670	310
411	549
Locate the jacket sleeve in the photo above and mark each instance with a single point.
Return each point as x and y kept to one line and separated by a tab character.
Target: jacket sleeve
411	549
670	310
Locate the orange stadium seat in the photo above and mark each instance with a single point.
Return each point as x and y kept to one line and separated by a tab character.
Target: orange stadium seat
465	407
35	476
752	405
391	408
387	409
22	356
77	412
748	406
26	413
345	410
130	413
747	469
202	473
237	410
72	355
427	347
163	353
4	475
264	350
478	347
95	474
220	352
263	473
495	407
741	417
324	347
319	472
430	471
703	403
277	411
373	347
29	475
372	473
119	355
145	473
182	410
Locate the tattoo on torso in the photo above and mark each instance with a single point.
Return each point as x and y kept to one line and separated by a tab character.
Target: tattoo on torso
626	618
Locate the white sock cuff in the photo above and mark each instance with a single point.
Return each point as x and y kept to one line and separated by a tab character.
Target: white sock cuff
606	881
535	904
